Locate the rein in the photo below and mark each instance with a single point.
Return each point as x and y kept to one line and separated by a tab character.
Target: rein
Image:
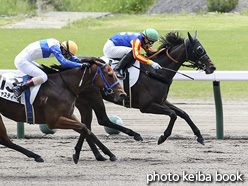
105	82
82	79
172	59
167	53
156	53
163	68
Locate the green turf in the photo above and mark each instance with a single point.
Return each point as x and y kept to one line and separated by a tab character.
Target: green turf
224	37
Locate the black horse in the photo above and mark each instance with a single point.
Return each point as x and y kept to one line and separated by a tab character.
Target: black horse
150	92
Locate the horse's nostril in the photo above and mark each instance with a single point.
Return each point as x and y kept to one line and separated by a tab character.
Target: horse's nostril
122	96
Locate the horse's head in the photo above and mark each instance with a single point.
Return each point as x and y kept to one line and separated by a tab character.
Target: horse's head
106	78
197	56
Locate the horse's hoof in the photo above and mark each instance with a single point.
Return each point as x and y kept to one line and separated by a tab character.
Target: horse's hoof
138	138
39	159
201	141
114	158
161	139
75	158
99	157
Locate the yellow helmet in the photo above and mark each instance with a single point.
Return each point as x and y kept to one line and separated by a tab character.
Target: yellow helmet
70	46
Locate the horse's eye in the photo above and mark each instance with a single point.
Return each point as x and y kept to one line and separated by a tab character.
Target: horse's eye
199	50
110	75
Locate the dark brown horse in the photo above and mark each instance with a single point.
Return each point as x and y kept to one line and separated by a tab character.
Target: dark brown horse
54	104
150	92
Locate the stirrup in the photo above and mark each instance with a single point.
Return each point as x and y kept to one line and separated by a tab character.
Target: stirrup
17	91
120	75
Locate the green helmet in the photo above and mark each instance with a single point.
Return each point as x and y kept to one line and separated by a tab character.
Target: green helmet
151	34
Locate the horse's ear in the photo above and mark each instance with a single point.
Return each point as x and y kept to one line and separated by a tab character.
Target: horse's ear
195	35
190	38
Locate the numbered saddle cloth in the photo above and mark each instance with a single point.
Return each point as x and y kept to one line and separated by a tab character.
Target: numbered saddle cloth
27	98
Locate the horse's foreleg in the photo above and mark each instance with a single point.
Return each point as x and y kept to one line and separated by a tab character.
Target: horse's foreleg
186	117
86	117
80	142
67	123
4	140
89	135
102	118
104	121
75	124
156	108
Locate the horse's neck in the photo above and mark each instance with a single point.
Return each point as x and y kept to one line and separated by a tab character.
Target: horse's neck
178	54
76	80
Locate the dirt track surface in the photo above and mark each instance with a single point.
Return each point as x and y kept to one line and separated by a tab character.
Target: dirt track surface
137	160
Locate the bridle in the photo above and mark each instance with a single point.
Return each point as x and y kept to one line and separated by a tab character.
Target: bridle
201	57
108	87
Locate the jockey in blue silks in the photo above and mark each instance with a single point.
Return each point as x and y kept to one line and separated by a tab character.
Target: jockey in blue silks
24	61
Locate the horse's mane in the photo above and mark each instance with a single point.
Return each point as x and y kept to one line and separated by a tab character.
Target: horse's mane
169	41
59	68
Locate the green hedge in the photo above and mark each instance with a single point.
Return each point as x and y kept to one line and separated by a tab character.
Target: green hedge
221	5
15	7
114	6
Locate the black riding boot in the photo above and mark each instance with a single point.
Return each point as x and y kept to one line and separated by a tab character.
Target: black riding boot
20	88
125	62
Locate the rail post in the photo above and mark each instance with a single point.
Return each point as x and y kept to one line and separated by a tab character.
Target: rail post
218	110
20	130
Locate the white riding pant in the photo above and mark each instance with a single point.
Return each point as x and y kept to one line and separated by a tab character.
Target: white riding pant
25	64
112	51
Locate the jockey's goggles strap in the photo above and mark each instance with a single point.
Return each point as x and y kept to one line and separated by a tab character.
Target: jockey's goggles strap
68	50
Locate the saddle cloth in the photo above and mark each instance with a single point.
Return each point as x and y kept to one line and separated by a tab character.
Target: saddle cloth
133	72
6	84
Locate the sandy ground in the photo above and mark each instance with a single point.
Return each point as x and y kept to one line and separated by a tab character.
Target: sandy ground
138	161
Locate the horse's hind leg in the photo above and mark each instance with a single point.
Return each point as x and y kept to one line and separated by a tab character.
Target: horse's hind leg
186	117
18	148
4	140
156	108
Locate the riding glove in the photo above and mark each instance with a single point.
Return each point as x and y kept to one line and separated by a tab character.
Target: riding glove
85	65
155	65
